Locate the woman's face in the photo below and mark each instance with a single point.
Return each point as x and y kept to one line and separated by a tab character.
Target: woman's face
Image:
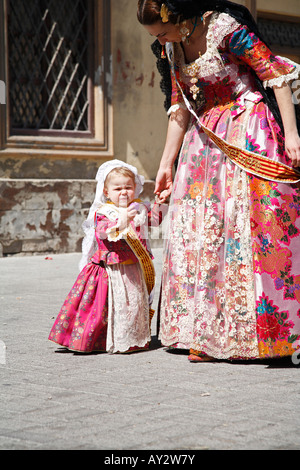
164	32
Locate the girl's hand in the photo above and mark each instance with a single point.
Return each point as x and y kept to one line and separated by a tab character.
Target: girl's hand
131	213
126	217
162	197
292	147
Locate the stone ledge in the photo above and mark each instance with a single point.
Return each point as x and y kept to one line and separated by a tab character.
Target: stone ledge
45	216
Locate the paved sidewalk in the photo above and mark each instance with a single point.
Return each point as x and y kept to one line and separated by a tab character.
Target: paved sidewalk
52	399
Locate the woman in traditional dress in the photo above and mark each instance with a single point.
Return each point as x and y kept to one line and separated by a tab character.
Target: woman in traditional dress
231	271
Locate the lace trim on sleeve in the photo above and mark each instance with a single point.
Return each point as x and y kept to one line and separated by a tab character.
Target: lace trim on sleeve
176	107
224	25
113	235
284	79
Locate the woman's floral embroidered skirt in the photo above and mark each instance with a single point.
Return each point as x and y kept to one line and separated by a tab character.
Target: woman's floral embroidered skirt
231	271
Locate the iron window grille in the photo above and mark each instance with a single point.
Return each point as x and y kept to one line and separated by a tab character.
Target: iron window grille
280	33
50	66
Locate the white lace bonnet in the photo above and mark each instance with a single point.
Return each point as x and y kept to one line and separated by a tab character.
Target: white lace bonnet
89	244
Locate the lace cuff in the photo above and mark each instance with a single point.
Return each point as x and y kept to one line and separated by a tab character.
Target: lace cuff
120	229
175	107
286	78
114	234
141	216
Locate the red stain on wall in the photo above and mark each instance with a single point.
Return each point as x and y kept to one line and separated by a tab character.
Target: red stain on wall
151	83
126	72
119	56
140	80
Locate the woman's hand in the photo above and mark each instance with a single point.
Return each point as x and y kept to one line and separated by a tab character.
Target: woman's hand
292	147
177	126
286	106
164	184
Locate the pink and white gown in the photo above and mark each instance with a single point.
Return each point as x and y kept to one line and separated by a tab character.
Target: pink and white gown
231	269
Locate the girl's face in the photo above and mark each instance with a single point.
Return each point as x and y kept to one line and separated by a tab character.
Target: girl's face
164	32
120	189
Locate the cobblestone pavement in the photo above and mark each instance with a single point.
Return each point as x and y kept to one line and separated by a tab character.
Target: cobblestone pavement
51	399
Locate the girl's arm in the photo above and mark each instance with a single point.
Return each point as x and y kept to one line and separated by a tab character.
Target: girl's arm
113	229
103	226
177	127
287	110
157	212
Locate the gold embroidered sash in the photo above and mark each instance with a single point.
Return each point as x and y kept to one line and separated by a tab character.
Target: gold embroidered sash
245	159
143	256
253	162
145	262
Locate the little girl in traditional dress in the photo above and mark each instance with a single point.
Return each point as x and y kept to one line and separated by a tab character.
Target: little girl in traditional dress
109	306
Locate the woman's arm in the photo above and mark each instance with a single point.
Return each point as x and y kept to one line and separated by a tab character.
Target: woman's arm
274	71
177	127
287	110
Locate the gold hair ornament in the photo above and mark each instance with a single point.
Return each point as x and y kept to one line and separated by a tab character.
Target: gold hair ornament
164	13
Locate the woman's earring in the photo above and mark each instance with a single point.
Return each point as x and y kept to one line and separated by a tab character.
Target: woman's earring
184	32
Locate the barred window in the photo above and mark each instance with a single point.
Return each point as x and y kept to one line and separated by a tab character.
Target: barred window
280	32
50	62
282	36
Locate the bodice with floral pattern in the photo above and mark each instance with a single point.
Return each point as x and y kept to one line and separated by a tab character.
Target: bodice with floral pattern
225	73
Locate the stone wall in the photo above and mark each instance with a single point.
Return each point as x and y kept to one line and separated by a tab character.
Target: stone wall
45	216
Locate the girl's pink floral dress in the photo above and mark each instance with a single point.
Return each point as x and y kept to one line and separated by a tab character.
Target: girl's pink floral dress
231	271
107	308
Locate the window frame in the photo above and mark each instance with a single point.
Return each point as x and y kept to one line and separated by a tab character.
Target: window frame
89	133
67	143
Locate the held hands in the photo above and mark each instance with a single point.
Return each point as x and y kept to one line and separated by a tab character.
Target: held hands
162	197
164	185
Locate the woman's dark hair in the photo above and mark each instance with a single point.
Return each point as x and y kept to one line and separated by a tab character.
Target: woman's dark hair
149	13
